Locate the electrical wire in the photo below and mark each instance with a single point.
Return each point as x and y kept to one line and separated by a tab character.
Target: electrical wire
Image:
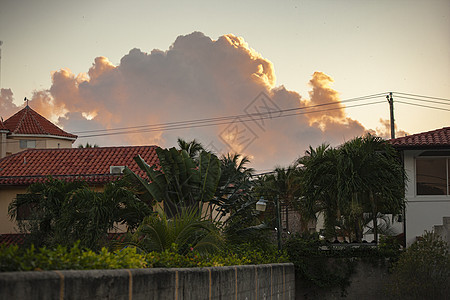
423	100
269	114
237	119
235	116
421	105
428	97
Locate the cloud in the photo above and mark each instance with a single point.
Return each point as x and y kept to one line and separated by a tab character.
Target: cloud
385	130
196	78
7	106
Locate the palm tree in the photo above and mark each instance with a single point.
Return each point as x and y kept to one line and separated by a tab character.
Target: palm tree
234	182
193	148
319	183
88	146
180	181
64	212
284	183
363	175
185	230
45	201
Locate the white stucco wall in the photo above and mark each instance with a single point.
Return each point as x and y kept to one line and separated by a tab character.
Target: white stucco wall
422	211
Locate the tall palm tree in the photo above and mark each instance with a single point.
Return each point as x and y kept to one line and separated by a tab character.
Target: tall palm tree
319	187
193	148
362	175
233	187
285	184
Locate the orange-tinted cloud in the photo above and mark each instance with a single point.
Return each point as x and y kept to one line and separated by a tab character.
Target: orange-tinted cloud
385	130
196	78
7	106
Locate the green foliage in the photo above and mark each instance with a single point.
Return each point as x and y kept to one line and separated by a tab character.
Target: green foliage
233	206
88	145
181	181
364	175
14	258
64	212
187	229
319	269
256	253
422	271
193	148
323	265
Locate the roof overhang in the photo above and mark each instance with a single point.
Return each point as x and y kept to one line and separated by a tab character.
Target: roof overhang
73	139
424	147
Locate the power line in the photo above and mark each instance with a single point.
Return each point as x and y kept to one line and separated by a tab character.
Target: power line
236	119
274	114
232	117
428	97
421	105
423	100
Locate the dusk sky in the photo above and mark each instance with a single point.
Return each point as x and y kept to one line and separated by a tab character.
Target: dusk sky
91	65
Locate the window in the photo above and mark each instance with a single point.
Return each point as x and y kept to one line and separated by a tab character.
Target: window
432	176
25	144
25	205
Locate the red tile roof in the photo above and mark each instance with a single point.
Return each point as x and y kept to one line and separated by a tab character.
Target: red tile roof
27	121
439	138
90	164
12	239
18	238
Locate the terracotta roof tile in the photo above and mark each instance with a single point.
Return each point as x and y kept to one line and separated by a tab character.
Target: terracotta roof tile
439	138
90	164
27	121
12	239
19	238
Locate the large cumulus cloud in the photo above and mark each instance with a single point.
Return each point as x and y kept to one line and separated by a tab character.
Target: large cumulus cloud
196	78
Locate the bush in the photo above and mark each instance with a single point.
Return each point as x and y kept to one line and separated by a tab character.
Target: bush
324	265
14	258
62	258
422	271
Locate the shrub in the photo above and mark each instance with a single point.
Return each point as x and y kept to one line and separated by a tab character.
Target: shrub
323	265
14	258
422	271
62	258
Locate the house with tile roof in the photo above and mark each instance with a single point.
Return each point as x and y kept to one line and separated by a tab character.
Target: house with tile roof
96	166
33	148
27	129
426	159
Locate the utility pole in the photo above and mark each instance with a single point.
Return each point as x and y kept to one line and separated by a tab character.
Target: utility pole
1	43
391	109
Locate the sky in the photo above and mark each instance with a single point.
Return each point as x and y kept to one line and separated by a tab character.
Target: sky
93	65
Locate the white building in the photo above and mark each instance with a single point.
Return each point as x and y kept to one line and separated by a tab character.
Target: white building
426	159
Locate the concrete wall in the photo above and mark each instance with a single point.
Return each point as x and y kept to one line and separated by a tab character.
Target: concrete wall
275	281
13	143
368	282
444	230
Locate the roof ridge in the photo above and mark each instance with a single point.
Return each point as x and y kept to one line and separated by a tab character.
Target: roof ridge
21	119
36	120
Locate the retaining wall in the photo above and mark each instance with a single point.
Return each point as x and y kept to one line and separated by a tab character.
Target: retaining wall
271	281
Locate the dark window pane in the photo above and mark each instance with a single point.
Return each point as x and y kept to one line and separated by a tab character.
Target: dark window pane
26	205
431	176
